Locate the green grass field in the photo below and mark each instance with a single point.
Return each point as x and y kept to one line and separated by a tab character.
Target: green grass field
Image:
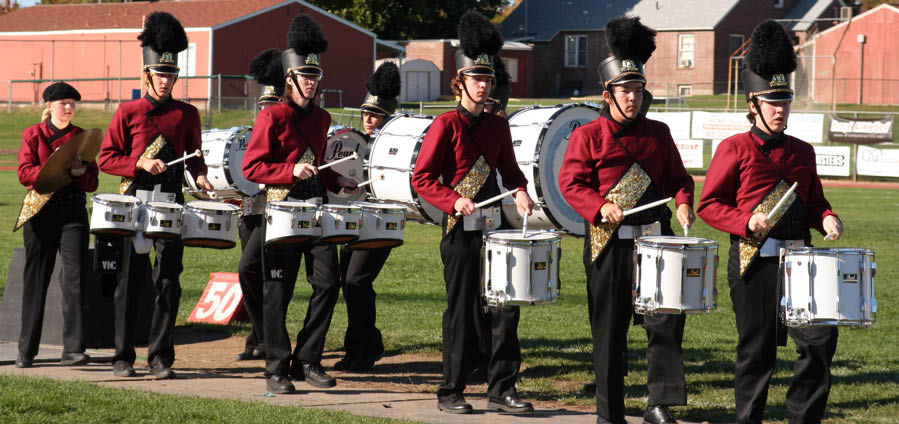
555	339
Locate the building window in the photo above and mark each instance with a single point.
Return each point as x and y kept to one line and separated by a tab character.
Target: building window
575	51
511	68
779	4
685	51
684	90
734	42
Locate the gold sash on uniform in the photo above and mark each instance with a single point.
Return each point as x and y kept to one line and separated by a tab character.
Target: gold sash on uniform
469	186
149	153
749	247
31	206
277	193
626	193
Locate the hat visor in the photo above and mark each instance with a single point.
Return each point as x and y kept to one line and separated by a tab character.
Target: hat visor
779	96
624	79
307	70
164	69
373	109
478	70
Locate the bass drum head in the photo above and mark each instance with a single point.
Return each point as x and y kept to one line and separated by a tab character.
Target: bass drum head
342	142
237	146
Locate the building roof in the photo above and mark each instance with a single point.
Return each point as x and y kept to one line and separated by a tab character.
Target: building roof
884	7
540	20
804	13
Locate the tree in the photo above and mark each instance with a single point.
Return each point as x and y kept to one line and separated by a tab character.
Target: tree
870	4
7	6
409	19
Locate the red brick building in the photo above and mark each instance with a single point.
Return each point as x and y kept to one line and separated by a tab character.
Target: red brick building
64	42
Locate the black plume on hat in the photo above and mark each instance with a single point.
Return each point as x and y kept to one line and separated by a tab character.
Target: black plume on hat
502	75
478	35
305	36
59	91
163	33
266	68
770	51
385	82
629	39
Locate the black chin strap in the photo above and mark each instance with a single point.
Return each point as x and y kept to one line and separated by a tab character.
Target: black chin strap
615	101
758	109
293	77
465	89
150	83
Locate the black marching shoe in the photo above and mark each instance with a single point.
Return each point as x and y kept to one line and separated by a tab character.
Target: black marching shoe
344	364
658	414
279	384
589	388
364	363
250	354
453	404
315	375
511	404
74	359
123	369
23	361
161	371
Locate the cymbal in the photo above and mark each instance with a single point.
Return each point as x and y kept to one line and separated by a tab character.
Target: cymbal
91	144
55	174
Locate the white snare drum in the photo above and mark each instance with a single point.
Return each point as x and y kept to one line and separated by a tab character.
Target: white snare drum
163	220
391	162
223	152
210	224
521	270
674	275
828	287
342	142
114	214
291	223
382	226
540	138
339	223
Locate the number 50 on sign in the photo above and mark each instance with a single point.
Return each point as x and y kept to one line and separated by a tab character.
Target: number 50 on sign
221	302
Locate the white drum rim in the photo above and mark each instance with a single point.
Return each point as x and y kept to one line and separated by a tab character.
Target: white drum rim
198	205
164	206
122	199
341	208
286	205
671	241
828	251
226	162
546	237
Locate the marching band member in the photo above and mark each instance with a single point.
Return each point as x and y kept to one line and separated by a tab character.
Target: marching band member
749	174
464	147
362	342
57	222
287	144
619	161
266	69
143	136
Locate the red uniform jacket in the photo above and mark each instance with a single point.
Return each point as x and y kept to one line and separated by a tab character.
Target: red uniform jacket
740	176
35	151
449	151
132	130
280	136
594	162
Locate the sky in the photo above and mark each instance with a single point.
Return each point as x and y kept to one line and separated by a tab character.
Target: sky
26	3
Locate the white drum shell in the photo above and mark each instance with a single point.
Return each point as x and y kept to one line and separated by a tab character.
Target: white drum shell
674	275
828	287
210	224
162	220
223	151
521	270
382	225
114	214
342	142
391	162
291	223
339	223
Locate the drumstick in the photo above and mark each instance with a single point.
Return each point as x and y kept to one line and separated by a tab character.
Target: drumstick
330	164
194	154
365	183
830	236
491	200
783	199
524	228
686	231
643	208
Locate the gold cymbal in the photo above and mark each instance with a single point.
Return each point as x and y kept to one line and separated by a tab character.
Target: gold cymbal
55	174
91	144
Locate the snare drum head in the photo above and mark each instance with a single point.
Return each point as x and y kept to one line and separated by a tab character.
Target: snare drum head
342	143
516	236
116	198
163	205
541	135
223	152
675	240
211	206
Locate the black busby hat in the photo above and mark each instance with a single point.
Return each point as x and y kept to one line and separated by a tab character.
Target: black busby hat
305	44
162	39
501	91
479	41
631	44
266	69
383	87
59	91
769	63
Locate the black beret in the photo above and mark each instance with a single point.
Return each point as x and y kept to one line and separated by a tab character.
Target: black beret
59	91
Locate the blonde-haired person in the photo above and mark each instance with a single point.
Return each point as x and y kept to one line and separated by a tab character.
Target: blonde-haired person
60	225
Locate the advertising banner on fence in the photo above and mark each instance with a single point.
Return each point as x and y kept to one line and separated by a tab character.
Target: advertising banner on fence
833	160
717	125
690	152
877	162
808	127
678	123
861	131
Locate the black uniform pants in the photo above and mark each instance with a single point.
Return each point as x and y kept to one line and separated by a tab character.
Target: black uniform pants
756	298
252	239
359	269
461	254
281	265
52	229
610	307
166	270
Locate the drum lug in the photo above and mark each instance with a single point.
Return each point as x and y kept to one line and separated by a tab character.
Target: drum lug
658	280
530	274
108	215
509	269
